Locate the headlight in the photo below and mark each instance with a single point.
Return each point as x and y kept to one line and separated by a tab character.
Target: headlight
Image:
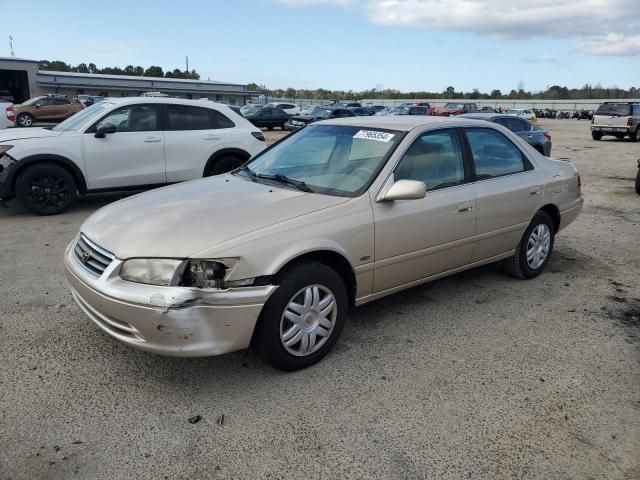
152	271
212	273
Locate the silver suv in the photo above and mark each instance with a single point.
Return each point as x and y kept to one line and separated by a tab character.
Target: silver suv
618	119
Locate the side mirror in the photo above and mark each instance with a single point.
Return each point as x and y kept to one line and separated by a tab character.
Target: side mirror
404	190
104	129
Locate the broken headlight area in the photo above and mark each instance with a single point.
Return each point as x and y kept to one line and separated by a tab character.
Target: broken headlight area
195	273
6	160
204	273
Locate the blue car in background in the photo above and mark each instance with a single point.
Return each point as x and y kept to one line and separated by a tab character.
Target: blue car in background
535	136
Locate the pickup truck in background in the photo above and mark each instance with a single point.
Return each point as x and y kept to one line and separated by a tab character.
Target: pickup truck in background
7	115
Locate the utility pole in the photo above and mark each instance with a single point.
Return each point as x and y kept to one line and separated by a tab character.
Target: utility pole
11	46
187	61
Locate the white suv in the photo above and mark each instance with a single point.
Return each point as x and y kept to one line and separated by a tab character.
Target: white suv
120	144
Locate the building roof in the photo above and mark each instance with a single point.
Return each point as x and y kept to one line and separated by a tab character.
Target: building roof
17	59
131	77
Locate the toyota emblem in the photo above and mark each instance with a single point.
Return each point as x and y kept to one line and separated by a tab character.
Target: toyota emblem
86	256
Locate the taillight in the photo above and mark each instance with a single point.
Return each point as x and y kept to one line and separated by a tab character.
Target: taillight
259	136
593	120
630	122
11	114
548	135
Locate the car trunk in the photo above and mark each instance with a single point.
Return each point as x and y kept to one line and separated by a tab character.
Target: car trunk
614	115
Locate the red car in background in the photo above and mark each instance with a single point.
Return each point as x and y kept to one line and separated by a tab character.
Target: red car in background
453	108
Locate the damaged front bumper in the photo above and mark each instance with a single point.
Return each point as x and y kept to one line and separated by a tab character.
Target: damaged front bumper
176	321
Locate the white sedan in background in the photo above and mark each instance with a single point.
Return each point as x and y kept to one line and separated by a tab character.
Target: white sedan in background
123	144
7	115
522	112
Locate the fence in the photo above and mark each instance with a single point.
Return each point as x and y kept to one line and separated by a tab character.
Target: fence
562	105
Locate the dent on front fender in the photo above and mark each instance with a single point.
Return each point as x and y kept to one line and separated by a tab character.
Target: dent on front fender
190	297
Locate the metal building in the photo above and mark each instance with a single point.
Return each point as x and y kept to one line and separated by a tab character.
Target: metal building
20	80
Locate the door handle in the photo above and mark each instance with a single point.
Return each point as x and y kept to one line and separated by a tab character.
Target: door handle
465	207
212	137
152	140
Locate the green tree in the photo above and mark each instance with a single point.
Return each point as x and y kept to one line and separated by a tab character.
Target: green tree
154	71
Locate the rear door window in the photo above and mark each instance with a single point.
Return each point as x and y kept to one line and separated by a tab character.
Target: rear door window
184	117
494	155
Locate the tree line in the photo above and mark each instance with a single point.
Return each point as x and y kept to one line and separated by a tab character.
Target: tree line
555	92
138	71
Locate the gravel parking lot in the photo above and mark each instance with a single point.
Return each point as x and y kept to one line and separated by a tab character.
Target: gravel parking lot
476	376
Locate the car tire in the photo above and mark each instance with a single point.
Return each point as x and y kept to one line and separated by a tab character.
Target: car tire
596	135
24	120
635	136
46	189
282	127
292	338
534	249
620	136
269	128
638	181
224	164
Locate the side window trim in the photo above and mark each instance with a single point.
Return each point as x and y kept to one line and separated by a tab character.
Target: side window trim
527	164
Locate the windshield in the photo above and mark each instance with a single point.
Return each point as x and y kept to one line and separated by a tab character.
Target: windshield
332	159
454	106
33	100
614	109
400	111
321	112
74	122
513	112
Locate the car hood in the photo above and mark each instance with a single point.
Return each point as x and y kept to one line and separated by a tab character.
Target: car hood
304	118
181	220
23	133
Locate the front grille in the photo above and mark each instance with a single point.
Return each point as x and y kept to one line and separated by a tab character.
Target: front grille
90	256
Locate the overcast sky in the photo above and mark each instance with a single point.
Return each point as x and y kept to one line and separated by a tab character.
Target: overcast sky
344	44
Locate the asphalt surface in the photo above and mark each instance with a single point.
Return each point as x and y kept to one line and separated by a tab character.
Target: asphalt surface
476	376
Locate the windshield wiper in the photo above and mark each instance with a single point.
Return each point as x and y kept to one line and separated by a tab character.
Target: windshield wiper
252	175
299	184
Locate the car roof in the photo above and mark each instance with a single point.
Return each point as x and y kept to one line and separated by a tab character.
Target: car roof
167	100
404	123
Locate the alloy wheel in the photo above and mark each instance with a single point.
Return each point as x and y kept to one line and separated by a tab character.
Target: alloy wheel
308	320
47	191
538	246
25	120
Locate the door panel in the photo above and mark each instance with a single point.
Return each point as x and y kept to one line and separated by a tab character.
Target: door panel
415	239
134	155
192	135
508	192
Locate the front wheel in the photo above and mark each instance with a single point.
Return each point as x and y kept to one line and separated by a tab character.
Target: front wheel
224	164
534	250
46	189
596	135
304	317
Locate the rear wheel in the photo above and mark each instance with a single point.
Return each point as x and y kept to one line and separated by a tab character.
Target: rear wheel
638	181
46	189
635	136
620	136
24	120
596	135
224	164
303	318
534	250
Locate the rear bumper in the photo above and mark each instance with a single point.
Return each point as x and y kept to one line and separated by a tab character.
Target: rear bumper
571	213
610	129
175	321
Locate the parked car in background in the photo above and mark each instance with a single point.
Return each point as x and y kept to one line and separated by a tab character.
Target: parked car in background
521	112
583	114
535	136
360	111
250	108
374	109
236	109
486	109
307	109
91	100
46	108
122	144
342	213
319	113
7	115
347	104
268	117
619	119
416	104
453	108
384	112
290	108
409	110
